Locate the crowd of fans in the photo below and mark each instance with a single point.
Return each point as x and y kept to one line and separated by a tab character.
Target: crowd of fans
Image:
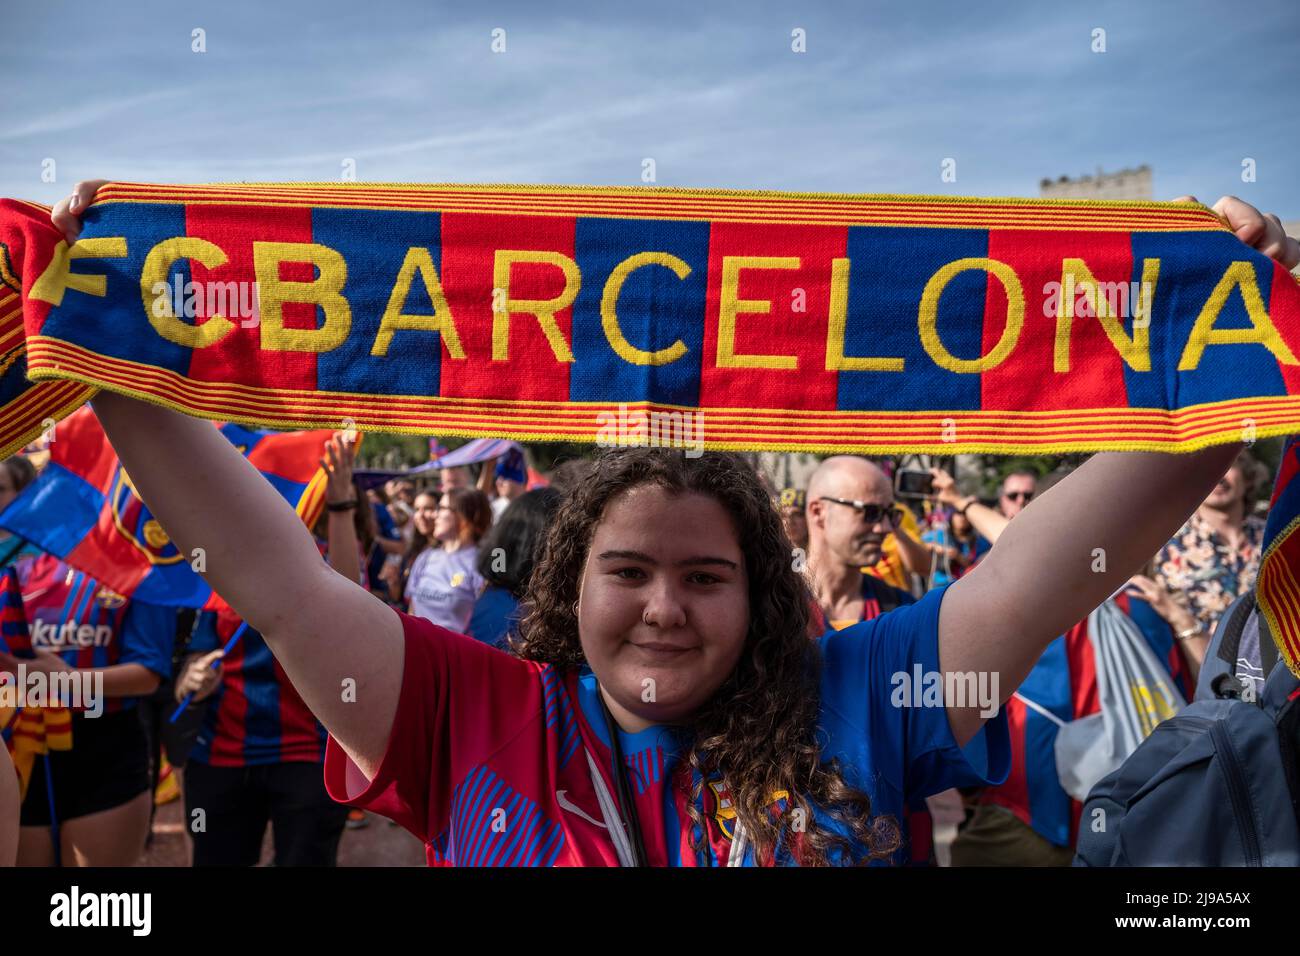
458	550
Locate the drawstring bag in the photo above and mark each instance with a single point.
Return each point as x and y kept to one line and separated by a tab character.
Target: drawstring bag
1136	693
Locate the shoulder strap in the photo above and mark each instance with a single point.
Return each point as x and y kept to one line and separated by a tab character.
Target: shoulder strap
609	812
1231	642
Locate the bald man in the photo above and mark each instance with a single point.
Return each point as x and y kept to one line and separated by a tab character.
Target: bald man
850	512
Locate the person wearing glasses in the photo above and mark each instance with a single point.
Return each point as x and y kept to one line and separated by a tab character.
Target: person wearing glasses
1018	489
904	557
851	510
439	576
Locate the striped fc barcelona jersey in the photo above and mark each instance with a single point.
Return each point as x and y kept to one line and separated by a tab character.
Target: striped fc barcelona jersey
89	625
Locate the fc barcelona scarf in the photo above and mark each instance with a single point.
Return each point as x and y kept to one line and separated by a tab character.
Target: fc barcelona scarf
716	319
709	319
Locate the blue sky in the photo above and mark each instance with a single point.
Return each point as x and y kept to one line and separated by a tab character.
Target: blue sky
711	91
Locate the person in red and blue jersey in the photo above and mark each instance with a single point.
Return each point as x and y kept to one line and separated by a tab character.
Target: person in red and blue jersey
667	589
257	760
259	753
554	779
1030	820
122	649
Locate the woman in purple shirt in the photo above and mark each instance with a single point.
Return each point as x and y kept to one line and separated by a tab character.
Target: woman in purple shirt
440	580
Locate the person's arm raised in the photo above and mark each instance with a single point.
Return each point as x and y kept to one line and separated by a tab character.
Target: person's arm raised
260	557
487	478
1068	551
1080	542
342	545
989	522
914	555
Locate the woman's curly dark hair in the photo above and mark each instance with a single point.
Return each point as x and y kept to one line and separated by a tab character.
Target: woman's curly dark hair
759	729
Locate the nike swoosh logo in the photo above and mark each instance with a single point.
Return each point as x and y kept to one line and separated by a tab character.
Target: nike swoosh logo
566	804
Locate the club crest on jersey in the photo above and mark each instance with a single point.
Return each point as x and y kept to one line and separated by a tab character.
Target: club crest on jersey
137	524
723	812
109	599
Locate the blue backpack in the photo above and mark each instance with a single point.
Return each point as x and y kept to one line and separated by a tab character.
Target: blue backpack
1215	784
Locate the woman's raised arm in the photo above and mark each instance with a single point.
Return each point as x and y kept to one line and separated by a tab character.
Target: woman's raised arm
341	647
325	630
1080	542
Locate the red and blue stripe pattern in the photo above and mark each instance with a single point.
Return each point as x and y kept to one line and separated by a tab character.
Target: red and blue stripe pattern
26	731
792	321
92	626
496	826
255	716
558	712
1277	590
83	508
646	766
15	637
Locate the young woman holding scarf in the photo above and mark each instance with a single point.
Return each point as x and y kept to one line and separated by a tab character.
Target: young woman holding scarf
666	611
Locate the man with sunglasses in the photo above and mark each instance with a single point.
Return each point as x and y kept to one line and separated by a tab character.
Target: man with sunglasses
1018	489
851	510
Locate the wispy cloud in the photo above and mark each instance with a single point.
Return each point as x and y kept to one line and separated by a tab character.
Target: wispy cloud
712	92
101	110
